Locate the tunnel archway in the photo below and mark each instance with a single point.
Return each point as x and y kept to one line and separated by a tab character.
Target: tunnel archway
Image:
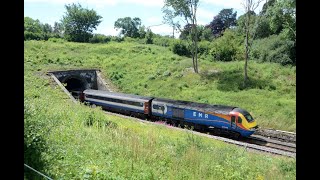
74	84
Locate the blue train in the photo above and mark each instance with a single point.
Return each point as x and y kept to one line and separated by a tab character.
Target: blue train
222	119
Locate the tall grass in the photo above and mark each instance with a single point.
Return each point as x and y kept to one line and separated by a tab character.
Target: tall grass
72	141
155	71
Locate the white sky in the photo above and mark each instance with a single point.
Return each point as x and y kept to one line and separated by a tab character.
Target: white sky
149	11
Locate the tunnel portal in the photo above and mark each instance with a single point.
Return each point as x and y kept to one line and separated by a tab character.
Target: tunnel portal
76	81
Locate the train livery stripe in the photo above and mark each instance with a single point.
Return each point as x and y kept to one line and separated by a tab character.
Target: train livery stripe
115	106
226	117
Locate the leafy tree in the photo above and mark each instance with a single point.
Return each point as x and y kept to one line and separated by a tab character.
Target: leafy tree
35	30
32	25
249	6
225	19
188	11
282	16
79	23
207	34
142	32
47	31
185	33
149	36
129	27
58	29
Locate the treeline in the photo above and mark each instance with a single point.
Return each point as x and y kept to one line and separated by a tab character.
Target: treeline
272	33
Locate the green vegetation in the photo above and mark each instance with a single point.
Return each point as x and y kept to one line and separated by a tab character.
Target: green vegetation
155	71
71	141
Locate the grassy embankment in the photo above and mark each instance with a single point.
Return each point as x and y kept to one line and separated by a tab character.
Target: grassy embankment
155	71
72	141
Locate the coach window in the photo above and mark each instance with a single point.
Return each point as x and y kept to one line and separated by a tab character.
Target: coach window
239	120
155	106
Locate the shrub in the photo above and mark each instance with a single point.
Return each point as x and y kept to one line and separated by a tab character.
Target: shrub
99	38
32	36
116	38
57	40
228	47
180	49
163	41
273	49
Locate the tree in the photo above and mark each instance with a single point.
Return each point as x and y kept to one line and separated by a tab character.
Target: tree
129	27
32	25
249	6
79	23
58	29
46	31
188	10
33	29
149	36
225	19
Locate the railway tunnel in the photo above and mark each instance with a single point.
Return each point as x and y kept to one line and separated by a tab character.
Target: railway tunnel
75	81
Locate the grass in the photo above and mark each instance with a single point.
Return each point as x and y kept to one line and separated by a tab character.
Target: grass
155	71
72	141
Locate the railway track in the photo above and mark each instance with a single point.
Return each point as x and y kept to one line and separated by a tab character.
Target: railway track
266	140
283	136
275	144
256	142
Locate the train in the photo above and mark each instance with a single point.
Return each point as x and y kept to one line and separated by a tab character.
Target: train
221	119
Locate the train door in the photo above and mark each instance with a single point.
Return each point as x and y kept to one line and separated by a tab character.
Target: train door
147	108
178	113
233	122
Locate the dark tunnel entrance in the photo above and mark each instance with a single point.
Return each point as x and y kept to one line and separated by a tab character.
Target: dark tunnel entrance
75	86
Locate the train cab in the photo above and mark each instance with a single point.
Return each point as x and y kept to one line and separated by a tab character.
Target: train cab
243	122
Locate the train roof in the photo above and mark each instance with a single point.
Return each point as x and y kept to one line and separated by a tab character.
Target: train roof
221	109
115	95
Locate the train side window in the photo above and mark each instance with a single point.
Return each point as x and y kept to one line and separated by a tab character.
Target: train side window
155	106
239	120
233	119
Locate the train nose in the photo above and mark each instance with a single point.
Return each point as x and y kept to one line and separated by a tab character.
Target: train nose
254	128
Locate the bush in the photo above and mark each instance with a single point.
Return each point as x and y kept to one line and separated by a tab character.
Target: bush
57	40
203	47
100	38
163	41
273	49
116	38
32	36
180	49
228	47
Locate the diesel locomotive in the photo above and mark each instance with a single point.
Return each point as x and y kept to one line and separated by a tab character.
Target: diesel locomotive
219	118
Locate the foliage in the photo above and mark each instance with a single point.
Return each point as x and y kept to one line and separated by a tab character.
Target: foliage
228	47
180	49
206	34
58	29
270	95
186	10
79	23
100	38
67	140
35	30
129	27
225	19
275	48
149	37
163	41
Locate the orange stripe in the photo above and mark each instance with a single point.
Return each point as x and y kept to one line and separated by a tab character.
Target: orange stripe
226	117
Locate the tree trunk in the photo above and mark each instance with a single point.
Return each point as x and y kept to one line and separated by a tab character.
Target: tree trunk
246	51
196	50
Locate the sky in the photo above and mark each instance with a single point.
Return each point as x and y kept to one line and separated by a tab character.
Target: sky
149	11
